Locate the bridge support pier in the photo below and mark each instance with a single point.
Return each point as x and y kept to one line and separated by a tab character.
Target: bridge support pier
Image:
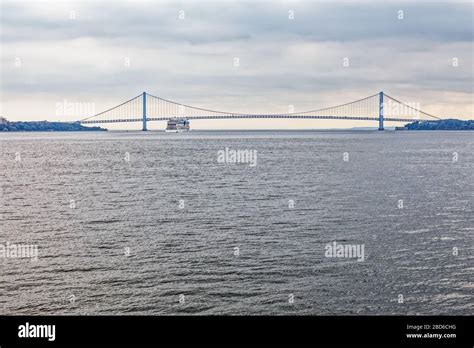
381	111
144	112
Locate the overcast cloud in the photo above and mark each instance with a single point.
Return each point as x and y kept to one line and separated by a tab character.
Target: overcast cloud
191	60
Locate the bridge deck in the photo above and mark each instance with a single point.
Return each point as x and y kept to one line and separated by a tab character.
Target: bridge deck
227	117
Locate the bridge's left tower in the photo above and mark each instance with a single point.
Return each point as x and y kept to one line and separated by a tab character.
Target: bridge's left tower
144	112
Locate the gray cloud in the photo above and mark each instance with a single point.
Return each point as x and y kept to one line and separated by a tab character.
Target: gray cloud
283	61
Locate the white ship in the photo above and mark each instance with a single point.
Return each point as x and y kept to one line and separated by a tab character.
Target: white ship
177	125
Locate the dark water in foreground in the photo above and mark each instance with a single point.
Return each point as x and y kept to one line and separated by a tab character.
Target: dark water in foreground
180	215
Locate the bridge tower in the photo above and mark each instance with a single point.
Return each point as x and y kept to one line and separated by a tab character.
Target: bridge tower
381	111
144	112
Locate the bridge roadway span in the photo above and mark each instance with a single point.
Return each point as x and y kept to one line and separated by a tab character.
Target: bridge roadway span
227	117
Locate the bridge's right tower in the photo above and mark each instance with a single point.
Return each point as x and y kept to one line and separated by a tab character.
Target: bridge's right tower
381	110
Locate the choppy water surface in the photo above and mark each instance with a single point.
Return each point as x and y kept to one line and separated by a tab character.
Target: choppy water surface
180	216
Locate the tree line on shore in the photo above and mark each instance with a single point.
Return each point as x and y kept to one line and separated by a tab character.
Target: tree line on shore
449	124
45	126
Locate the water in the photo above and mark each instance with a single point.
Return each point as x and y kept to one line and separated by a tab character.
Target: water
179	215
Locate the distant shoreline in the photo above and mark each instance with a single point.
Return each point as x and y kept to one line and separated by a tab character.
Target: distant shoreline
46	126
448	125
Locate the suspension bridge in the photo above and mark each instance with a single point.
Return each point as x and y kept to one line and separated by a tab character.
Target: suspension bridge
146	108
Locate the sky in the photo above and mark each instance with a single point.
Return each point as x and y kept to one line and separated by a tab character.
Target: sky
313	54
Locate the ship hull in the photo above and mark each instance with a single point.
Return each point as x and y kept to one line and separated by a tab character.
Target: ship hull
177	126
